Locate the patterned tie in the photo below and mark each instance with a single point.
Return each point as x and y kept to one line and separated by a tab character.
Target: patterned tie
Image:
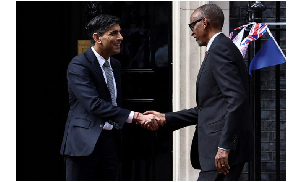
110	84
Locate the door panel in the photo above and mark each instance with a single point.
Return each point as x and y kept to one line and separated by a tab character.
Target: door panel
146	85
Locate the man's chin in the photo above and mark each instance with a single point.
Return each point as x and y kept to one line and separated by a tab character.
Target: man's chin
116	51
200	43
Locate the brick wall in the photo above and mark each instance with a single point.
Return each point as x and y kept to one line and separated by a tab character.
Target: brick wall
238	16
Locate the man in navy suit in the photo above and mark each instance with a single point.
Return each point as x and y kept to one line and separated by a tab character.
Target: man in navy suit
223	140
91	137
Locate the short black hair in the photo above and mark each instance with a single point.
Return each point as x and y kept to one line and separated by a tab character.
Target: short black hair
214	13
99	24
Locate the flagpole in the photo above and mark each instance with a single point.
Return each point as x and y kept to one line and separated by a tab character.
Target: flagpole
255	15
275	23
277	96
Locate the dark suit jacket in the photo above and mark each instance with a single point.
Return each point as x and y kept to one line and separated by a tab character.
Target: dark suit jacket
222	114
90	104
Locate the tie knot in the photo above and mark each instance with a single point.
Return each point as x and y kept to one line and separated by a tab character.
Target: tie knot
106	64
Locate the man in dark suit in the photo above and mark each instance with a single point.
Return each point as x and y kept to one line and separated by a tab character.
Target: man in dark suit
91	137
223	140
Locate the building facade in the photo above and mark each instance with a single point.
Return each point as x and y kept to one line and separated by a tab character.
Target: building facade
157	50
184	76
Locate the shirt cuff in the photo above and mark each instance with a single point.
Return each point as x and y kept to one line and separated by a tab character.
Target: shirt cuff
130	117
107	126
223	149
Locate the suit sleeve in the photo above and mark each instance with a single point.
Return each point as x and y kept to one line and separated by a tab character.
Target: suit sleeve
183	118
83	87
229	80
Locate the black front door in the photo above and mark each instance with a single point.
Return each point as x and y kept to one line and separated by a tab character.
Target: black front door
146	85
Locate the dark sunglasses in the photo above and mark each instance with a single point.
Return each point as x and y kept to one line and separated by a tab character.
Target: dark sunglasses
191	25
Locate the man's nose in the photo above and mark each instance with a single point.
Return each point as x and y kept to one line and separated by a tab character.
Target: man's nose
120	37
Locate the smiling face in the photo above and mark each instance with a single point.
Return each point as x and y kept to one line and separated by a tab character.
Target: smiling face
111	40
200	32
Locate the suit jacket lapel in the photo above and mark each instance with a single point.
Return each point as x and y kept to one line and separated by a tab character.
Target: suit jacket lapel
116	73
199	75
96	67
218	37
95	64
201	69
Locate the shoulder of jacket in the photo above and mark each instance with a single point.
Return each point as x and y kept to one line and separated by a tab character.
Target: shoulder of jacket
79	58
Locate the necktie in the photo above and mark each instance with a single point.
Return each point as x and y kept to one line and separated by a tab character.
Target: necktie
110	83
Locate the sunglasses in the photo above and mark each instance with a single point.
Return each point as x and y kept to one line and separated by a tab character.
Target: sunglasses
191	25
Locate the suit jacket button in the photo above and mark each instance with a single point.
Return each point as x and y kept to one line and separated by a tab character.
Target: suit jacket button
101	125
199	108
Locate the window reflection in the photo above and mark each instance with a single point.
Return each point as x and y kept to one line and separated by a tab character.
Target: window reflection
135	24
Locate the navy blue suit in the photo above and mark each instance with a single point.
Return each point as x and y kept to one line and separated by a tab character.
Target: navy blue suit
90	104
222	114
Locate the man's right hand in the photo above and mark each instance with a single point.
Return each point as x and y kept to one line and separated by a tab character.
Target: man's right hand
146	121
161	116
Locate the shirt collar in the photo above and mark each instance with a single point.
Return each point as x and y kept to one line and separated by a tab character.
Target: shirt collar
100	59
211	41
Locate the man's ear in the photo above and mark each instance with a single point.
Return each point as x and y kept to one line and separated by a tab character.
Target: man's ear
205	22
97	38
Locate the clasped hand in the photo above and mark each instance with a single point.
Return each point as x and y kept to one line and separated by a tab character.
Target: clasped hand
151	120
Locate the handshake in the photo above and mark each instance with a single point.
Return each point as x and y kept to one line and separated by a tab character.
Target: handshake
150	119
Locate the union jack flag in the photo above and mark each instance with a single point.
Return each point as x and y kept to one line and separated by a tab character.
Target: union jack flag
257	30
233	31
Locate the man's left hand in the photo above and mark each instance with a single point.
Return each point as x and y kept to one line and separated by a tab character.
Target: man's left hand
221	161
